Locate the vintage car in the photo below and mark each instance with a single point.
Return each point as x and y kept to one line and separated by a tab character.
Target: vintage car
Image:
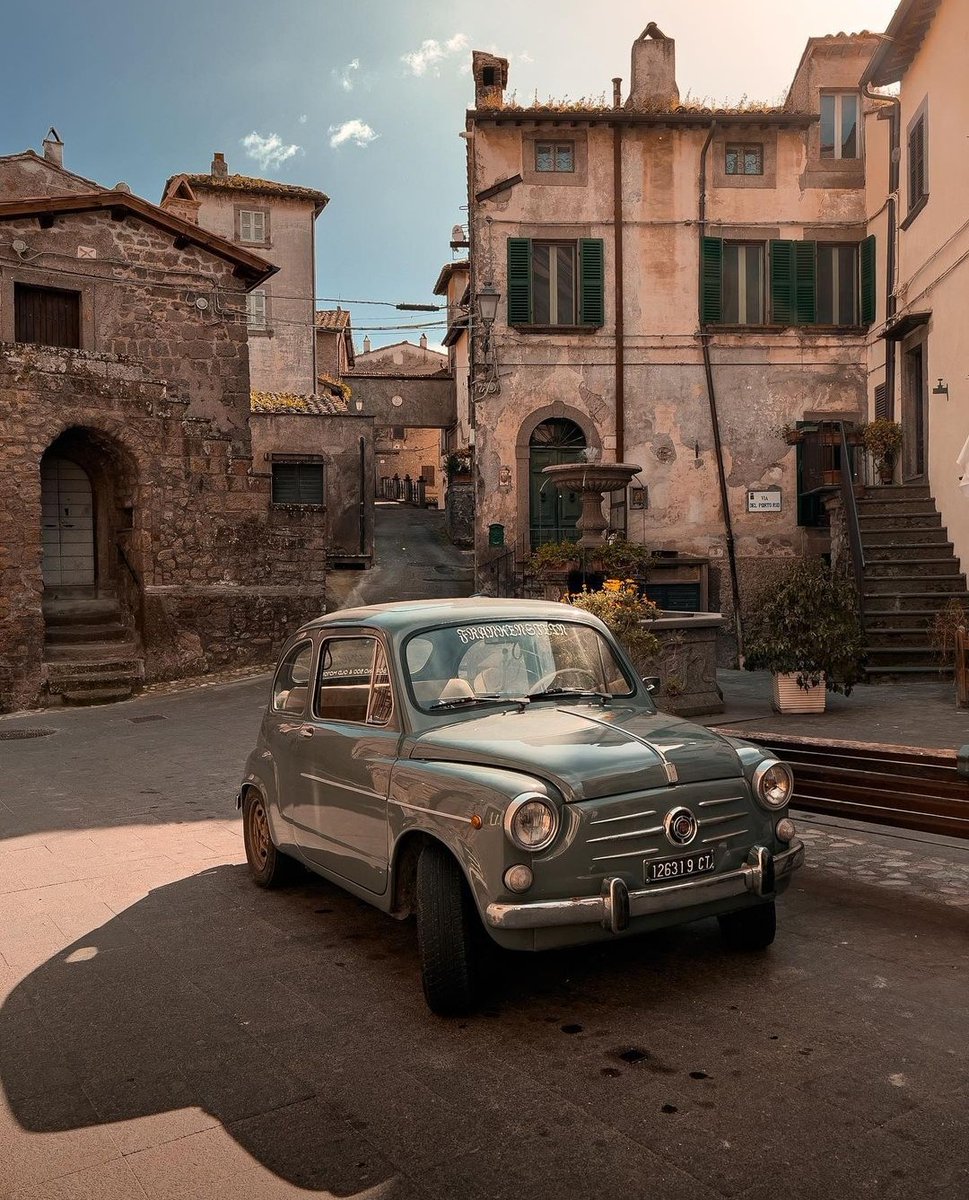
497	765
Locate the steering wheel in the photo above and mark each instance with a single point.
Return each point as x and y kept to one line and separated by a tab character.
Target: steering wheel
583	679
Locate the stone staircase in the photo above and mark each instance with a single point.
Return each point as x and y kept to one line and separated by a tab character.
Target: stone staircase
90	654
911	573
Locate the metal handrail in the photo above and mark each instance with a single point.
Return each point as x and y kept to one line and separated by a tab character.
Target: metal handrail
850	506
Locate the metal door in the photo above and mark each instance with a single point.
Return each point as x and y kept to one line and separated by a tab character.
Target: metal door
553	515
68	524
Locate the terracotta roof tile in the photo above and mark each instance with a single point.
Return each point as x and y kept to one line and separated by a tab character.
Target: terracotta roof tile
248	183
332	318
287	402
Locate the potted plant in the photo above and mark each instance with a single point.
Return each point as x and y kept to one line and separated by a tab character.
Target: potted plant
806	630
623	610
457	468
790	434
883	440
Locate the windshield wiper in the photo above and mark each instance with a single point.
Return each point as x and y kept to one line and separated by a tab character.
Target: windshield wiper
481	698
559	691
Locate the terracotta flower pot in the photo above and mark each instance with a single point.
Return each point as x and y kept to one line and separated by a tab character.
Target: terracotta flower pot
790	697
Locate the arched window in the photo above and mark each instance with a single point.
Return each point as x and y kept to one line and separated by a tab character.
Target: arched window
553	514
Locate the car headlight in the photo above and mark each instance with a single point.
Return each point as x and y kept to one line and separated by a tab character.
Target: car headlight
531	821
773	783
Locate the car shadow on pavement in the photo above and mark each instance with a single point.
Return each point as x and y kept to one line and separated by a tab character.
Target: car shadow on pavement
295	1020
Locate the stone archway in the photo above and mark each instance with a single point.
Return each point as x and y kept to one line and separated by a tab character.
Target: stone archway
554	433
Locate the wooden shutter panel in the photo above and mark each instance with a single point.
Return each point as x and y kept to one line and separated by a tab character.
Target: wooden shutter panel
868	280
592	281
47	316
782	283
805	291
297	483
711	280
519	281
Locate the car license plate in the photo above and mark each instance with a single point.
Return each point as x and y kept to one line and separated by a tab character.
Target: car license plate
670	869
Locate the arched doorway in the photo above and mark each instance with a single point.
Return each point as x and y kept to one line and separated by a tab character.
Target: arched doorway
553	514
68	525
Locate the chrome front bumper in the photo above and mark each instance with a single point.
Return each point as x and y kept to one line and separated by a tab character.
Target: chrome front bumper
616	906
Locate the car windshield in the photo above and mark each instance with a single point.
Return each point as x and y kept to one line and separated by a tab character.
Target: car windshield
511	660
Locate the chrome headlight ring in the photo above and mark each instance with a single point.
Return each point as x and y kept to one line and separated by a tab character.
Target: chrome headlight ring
773	784
514	815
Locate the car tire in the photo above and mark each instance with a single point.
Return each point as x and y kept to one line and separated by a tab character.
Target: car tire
448	933
751	928
269	867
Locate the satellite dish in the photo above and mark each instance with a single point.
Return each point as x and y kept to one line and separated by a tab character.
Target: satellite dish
122	187
457	233
19	246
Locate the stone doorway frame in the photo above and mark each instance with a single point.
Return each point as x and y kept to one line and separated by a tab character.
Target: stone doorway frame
555	411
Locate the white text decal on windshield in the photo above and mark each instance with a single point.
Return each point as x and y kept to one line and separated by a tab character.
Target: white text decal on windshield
509	631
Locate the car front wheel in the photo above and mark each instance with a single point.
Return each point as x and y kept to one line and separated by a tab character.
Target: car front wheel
447	933
269	868
751	928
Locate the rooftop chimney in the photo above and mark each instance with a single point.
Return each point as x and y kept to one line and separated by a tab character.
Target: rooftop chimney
490	79
219	168
423	341
54	147
653	82
366	344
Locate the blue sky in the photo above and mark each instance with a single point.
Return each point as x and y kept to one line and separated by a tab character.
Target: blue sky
140	91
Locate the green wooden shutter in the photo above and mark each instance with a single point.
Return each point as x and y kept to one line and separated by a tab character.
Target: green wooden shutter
782	283
805	291
592	281
711	280
519	281
868	281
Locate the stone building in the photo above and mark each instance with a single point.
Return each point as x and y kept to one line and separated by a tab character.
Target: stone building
139	539
277	222
335	353
677	284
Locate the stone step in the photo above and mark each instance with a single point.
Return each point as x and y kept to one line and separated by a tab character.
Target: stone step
931	535
911	601
902	568
903	656
66	634
889	620
128	668
901	506
82	612
870	522
909	552
904	585
899	635
93	652
907	674
888	491
88	696
95	680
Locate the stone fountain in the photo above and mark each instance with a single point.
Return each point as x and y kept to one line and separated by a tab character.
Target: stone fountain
592	480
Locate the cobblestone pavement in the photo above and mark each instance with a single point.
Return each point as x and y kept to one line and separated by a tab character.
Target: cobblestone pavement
169	1031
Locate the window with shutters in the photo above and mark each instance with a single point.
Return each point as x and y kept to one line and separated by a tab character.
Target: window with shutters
918	189
554	156
837	284
47	316
743	283
252	226
297	483
840	126
744	160
556	283
257	311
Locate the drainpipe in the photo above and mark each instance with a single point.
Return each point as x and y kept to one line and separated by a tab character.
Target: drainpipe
891	250
619	300
714	417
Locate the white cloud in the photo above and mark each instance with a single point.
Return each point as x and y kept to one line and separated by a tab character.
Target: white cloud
269	151
302	118
356	131
432	53
345	77
525	57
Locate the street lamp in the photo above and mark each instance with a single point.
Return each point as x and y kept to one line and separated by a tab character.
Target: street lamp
487	298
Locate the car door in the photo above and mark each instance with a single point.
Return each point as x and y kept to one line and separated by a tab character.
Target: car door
285	722
347	748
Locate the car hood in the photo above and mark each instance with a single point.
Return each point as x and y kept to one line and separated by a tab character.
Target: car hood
587	751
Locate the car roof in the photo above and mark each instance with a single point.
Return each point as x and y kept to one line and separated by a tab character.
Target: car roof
405	615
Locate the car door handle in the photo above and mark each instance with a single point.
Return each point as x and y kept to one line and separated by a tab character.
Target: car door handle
306	731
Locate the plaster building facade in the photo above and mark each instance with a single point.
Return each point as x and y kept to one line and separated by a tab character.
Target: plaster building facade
139	538
919	357
677	285
277	222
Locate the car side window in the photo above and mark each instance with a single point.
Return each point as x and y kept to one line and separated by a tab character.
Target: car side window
291	684
353	683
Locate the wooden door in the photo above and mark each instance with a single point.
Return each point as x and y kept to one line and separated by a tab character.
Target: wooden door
68	524
47	316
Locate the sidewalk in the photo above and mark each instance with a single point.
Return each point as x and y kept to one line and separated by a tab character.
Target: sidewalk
920	714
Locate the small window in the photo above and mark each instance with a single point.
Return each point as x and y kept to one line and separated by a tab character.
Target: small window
297	483
398	433
554	156
745	160
291	685
427	474
252	226
353	682
47	316
837	284
553	283
840	130
256	309
743	283
917	175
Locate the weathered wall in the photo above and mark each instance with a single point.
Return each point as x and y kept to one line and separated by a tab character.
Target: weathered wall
28	174
425	401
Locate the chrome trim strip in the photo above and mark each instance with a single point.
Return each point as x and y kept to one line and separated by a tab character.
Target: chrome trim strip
623	837
628	817
625	854
434	812
668	766
726	800
723	837
598	910
737	816
345	787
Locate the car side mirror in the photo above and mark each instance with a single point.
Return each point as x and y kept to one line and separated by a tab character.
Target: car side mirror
652	683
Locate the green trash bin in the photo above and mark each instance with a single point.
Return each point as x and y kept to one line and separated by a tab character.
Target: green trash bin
496	535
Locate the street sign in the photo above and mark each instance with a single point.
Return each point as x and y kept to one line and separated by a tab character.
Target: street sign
765	501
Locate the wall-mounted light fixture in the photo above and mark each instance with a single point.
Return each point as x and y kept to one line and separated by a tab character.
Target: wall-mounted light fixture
487	299
359	405
941	389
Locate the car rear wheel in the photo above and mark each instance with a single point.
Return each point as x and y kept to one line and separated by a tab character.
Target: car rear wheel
269	868
751	928
447	934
